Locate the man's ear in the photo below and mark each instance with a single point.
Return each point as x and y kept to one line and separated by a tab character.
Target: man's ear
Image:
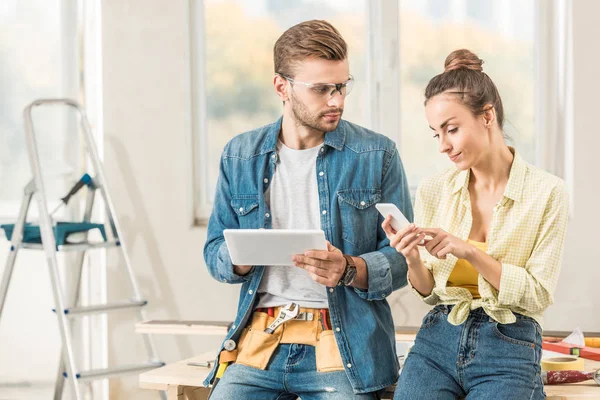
281	87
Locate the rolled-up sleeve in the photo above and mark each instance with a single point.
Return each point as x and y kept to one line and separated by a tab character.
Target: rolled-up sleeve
386	267
222	217
531	287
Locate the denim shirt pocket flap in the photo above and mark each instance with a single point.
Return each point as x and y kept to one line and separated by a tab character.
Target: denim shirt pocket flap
244	204
360	198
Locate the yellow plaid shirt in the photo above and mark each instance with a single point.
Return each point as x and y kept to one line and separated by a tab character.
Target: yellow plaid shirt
526	236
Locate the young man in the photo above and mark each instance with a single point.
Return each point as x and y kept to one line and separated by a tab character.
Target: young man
310	170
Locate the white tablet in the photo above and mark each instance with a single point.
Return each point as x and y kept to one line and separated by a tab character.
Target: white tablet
271	246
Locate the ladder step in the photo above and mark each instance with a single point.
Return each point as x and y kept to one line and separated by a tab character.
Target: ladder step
95	374
74	247
121	305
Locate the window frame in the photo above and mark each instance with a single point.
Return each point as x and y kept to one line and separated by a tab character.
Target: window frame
553	83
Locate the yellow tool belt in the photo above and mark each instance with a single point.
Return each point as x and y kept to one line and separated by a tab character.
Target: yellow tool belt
255	346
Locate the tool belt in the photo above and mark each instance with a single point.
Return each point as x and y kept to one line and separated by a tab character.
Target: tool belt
311	327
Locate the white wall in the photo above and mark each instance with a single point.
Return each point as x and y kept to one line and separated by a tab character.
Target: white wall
28	327
147	151
577	293
147	161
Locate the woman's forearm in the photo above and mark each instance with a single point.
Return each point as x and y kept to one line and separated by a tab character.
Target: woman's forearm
420	277
487	266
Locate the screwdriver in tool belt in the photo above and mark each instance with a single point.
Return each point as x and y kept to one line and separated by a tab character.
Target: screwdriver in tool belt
323	318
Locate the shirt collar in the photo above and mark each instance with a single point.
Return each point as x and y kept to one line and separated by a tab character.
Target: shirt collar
335	139
516	178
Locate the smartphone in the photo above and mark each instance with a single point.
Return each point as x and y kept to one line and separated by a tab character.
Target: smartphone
399	221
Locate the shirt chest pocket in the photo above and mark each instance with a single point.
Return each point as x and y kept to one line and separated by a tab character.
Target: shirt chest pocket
246	209
359	216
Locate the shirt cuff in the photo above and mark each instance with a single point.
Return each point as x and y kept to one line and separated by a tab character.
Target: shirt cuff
433	299
225	267
379	277
513	282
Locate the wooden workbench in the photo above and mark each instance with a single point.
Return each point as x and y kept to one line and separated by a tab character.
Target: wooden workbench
184	382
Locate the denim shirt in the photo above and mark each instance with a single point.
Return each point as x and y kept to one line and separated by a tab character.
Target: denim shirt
356	168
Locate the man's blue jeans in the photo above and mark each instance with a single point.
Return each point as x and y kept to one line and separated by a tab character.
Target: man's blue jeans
291	373
480	359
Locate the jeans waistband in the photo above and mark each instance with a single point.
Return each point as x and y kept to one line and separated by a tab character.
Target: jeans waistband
478	313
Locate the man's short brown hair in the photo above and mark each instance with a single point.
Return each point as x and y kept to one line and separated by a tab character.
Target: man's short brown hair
310	39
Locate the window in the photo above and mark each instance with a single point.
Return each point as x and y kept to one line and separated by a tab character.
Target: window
236	70
504	39
38	52
396	47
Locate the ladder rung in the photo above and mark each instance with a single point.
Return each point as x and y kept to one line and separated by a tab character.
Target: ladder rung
121	305
116	371
74	247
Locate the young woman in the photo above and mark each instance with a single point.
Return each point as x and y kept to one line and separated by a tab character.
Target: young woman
485	250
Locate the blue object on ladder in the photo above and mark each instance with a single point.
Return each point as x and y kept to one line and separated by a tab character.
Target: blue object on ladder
62	230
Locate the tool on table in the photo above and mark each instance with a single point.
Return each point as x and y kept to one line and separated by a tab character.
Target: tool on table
200	364
285	314
592	342
570	376
566	363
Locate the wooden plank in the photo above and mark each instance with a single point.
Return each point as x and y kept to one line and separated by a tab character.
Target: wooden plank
175	392
181	374
180	327
178	373
195	393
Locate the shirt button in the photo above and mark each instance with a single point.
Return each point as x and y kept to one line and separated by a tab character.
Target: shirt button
324	212
250	292
274	156
224	280
337	329
322	149
266	180
362	203
232	326
349	365
241	209
267	215
331	290
321	173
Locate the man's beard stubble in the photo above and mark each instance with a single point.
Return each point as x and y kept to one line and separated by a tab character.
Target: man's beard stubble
304	118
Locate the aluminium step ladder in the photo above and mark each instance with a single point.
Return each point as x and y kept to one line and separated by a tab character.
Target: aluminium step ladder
53	237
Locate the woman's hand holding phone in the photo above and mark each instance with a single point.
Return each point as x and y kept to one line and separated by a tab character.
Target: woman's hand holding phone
405	241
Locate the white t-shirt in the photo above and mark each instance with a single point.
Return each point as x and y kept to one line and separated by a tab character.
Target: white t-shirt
293	198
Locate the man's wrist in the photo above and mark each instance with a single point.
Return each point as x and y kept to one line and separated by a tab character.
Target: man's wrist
242	270
349	274
362	275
